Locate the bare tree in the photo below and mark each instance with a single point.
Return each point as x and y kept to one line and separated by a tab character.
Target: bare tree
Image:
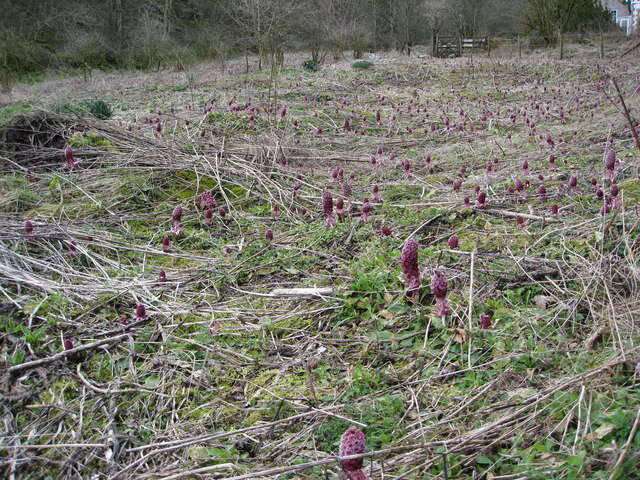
265	25
550	17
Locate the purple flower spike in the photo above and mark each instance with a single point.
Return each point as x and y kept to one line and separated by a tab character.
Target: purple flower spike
386	231
68	155
347	190
610	165
573	185
327	207
67	344
376	194
481	200
340	208
366	209
410	267
485	321
268	235
406	166
614	190
208	216
352	443
176	215
141	312
453	242
439	289
542	191
207	200
166	245
28	227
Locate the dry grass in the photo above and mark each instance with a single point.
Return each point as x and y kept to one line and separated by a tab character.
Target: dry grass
223	379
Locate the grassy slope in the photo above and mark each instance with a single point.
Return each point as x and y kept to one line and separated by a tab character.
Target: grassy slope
547	392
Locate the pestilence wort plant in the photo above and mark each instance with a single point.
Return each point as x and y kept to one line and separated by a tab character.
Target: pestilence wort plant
439	288
352	443
410	267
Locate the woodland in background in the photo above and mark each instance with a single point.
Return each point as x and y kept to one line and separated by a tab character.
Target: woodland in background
39	35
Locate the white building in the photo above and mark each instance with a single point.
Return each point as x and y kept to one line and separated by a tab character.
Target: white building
626	17
635	18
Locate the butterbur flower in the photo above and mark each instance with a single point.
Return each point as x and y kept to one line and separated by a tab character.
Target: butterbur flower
573	185
485	321
467	202
554	209
141	312
327	207
525	167
208	216
222	212
67	344
28	227
340	208
207	200
352	443
68	156
453	242
347	191
386	231
481	200
166	245
542	191
410	267
614	190
376	194
521	222
366	209
162	276
610	164
439	289
406	166
268	235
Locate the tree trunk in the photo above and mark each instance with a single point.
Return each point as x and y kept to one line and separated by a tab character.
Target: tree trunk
561	40
601	44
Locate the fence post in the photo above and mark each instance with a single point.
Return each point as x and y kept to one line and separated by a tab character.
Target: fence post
519	48
601	45
488	40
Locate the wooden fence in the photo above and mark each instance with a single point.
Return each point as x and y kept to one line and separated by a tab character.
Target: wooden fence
454	46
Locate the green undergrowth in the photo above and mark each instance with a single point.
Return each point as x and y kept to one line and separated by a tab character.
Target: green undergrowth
220	351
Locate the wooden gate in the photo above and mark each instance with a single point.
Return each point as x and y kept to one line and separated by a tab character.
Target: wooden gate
448	47
454	46
475	43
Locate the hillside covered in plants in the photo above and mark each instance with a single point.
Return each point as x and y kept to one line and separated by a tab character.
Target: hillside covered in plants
218	274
